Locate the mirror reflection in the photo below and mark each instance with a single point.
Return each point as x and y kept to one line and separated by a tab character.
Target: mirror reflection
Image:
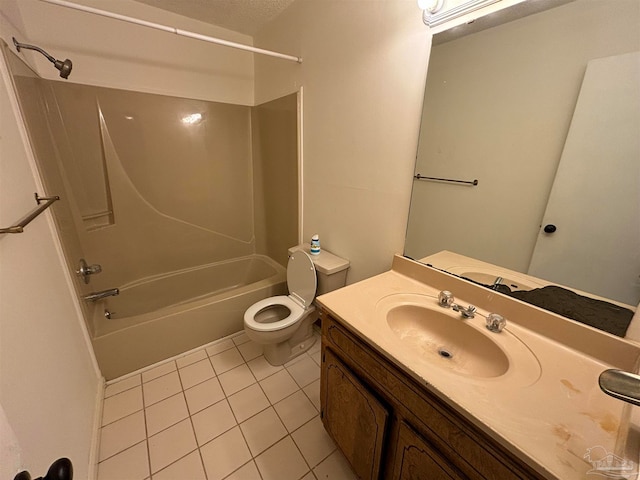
544	111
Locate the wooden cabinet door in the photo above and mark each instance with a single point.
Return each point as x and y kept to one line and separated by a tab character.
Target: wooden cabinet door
354	418
416	460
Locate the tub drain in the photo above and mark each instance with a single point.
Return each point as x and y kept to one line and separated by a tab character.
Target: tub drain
443	352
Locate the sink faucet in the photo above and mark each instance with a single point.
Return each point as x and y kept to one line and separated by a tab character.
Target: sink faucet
496	283
446	300
94	296
468	312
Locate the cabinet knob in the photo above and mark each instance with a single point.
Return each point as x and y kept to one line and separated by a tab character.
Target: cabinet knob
549	228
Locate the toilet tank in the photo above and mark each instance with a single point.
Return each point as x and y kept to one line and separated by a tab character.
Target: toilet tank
331	270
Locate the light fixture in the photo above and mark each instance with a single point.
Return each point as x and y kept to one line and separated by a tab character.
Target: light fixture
430	6
434	14
192	119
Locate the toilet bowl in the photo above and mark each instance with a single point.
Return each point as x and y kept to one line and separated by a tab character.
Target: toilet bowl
283	324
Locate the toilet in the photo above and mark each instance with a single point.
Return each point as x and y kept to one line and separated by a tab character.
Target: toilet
283	324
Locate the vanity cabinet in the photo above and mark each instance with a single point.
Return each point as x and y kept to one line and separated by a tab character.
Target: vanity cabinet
389	426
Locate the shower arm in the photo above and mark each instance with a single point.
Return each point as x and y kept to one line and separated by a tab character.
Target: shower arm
19	45
64	67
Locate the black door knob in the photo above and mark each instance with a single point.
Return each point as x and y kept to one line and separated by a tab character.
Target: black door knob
549	228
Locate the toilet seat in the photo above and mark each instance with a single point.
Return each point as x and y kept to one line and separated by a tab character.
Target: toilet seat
296	311
301	281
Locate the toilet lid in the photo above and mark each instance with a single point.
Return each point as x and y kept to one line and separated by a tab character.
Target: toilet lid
301	277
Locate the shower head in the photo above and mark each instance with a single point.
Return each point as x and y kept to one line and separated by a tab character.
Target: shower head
63	66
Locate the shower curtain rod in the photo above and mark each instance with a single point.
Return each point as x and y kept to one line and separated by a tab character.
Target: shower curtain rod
177	31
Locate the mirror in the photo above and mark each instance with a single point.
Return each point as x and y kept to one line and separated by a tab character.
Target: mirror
505	103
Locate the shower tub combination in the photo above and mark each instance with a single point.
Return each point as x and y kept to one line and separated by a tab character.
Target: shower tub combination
158	317
178	239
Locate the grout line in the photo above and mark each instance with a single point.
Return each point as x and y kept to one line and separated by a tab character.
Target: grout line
174	358
193	427
146	429
226	398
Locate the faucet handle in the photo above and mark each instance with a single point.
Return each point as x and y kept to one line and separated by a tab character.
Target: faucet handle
496	322
85	270
445	298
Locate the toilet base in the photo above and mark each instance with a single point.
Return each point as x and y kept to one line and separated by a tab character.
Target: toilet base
280	353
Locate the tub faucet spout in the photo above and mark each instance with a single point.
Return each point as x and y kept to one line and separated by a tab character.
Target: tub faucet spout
94	296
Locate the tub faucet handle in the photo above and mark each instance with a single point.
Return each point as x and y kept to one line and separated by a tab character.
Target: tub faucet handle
85	270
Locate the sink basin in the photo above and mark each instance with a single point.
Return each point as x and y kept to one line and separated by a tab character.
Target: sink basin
436	341
451	342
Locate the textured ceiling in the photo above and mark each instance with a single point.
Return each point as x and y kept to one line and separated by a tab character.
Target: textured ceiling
244	16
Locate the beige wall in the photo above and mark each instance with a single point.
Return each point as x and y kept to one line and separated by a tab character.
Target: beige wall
49	382
363	72
275	176
498	106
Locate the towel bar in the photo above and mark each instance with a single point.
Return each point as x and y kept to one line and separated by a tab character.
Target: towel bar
417	176
19	228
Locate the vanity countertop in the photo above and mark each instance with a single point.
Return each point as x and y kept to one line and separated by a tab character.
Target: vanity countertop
555	418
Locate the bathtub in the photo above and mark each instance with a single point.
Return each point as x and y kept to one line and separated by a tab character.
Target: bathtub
158	317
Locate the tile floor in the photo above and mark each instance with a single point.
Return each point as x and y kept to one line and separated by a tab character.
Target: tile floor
220	412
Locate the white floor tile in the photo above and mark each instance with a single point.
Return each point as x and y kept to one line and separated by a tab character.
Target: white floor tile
263	430
196	373
225	454
122	404
278	386
236	379
170	445
313	392
166	413
158	371
316	356
213	421
247	472
248	402
314	442
204	394
187	468
161	388
305	371
282	462
250	350
191	358
334	467
121	434
317	346
295	410
225	361
132	464
219	347
261	369
295	360
122	385
240	339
